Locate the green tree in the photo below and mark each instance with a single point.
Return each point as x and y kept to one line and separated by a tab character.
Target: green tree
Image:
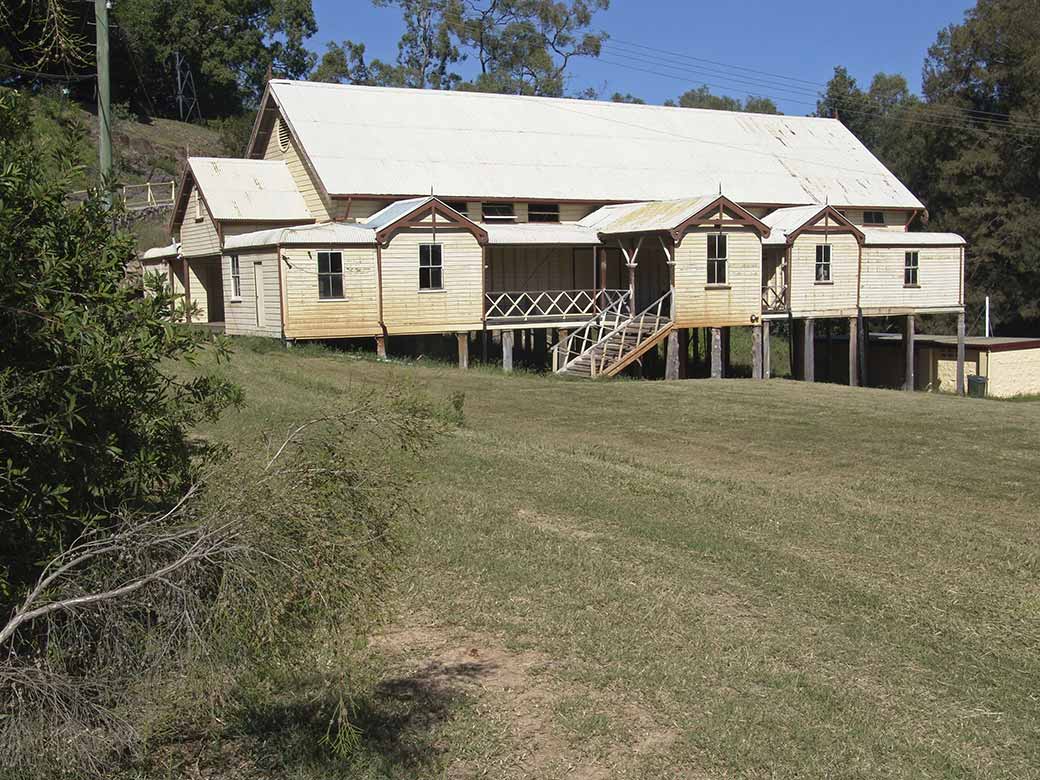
702	97
228	45
628	97
91	421
981	83
518	46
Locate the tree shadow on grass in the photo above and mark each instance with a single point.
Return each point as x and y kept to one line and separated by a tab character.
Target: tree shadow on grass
392	727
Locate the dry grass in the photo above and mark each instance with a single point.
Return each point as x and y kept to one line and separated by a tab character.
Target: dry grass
703	578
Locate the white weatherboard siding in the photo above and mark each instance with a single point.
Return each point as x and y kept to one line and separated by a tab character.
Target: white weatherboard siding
376	141
819	299
198	279
301	176
698	305
309	317
939	277
457	307
240	313
198	236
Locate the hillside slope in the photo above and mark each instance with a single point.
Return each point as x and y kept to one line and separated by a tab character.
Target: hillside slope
143	150
709	578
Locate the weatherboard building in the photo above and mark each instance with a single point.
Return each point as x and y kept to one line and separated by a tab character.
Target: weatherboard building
604	228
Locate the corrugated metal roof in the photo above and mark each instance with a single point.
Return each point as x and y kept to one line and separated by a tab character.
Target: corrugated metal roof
324	233
899	238
160	252
783	222
394	211
248	189
540	233
643	217
380	141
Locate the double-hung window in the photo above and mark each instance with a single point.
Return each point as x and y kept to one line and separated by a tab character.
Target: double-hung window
236	277
431	267
330	275
823	262
717	252
911	265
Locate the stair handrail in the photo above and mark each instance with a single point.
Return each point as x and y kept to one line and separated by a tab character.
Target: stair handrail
583	336
657	305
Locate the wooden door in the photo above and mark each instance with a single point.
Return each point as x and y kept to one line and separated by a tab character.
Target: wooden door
258	292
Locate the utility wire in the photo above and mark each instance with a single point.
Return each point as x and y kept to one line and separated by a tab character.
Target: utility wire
46	76
937	116
1006	130
772	80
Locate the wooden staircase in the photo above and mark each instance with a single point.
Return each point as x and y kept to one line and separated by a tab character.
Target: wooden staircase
598	350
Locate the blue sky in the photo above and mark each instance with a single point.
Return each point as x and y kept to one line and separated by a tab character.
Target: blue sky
792	40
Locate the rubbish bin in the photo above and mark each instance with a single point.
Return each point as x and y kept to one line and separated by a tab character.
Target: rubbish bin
977	386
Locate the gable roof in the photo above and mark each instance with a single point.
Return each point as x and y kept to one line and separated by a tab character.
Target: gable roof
672	216
245	190
403	213
395	142
785	224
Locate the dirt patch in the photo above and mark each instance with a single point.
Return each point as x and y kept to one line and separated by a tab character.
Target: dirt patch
518	693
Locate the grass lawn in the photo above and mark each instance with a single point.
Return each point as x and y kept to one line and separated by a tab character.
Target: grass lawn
696	579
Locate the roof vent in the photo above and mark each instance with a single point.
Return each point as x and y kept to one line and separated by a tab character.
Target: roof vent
283	135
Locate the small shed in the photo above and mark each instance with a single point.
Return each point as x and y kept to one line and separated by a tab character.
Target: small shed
1011	365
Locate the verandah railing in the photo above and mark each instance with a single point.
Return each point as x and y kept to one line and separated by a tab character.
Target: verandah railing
774	299
555	304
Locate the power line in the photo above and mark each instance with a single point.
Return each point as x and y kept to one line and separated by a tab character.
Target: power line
937	116
46	76
774	80
947	124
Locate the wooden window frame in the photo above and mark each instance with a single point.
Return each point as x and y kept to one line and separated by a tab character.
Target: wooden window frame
461	206
331	276
431	267
718	261
912	271
823	263
236	279
543	212
880	221
504	205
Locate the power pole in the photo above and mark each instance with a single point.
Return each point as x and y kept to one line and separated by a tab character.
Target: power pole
104	94
187	101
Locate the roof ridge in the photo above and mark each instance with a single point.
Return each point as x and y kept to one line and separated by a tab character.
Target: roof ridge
538	98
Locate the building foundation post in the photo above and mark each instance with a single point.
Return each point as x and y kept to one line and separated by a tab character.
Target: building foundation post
671	366
960	353
756	351
463	339
809	349
381	347
767	354
507	350
908	345
716	353
853	351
